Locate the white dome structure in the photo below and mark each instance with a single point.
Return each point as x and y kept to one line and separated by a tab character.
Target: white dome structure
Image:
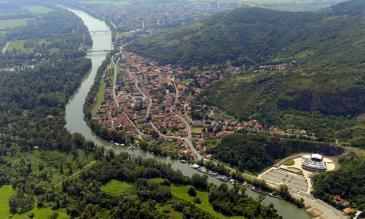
315	163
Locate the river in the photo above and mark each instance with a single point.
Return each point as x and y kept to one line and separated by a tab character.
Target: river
75	116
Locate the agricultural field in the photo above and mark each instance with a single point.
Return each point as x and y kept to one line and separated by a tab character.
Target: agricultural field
28	46
18	47
12	23
37	9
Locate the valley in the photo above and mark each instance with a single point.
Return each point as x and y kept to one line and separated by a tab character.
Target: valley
182	109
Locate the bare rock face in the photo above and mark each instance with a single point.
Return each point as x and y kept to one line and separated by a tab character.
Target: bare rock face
348	102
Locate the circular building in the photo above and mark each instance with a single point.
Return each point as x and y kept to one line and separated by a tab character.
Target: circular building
315	163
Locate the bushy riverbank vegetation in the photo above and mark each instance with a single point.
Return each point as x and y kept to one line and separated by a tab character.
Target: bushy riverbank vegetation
36	151
150	196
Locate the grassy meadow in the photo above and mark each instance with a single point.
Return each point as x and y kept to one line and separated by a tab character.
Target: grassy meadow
116	188
5	193
38	9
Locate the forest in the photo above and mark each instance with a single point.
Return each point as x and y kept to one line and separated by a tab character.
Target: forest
255	152
33	99
34	145
48	43
254	36
347	182
84	198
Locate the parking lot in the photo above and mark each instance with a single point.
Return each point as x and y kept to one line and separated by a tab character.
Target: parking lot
292	180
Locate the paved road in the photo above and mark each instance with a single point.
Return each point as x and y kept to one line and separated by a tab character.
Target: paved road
5	48
188	138
116	69
143	94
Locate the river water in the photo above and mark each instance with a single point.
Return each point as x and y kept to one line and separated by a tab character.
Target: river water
75	116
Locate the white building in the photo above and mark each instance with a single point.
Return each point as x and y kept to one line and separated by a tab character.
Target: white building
315	163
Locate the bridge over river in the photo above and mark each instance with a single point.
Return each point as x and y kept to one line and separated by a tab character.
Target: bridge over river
99	31
98	51
75	122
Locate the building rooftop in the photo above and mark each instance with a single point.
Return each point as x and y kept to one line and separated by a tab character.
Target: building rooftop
316	157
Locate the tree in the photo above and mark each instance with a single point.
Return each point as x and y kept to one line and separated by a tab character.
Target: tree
200	181
192	191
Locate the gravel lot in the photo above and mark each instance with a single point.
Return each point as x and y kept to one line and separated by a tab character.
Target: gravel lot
284	177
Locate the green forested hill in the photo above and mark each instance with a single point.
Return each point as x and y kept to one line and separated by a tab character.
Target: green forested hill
254	35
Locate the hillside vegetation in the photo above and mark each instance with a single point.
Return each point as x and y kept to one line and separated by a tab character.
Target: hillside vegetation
322	88
256	36
264	151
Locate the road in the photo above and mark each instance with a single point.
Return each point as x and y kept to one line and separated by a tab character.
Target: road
189	137
143	94
77	172
5	48
116	69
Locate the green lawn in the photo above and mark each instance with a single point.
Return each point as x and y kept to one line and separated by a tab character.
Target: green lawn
37	9
116	187
181	192
5	24
289	162
172	213
41	213
156	180
295	170
99	97
5	193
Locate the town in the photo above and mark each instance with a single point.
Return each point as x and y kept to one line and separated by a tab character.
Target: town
154	102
